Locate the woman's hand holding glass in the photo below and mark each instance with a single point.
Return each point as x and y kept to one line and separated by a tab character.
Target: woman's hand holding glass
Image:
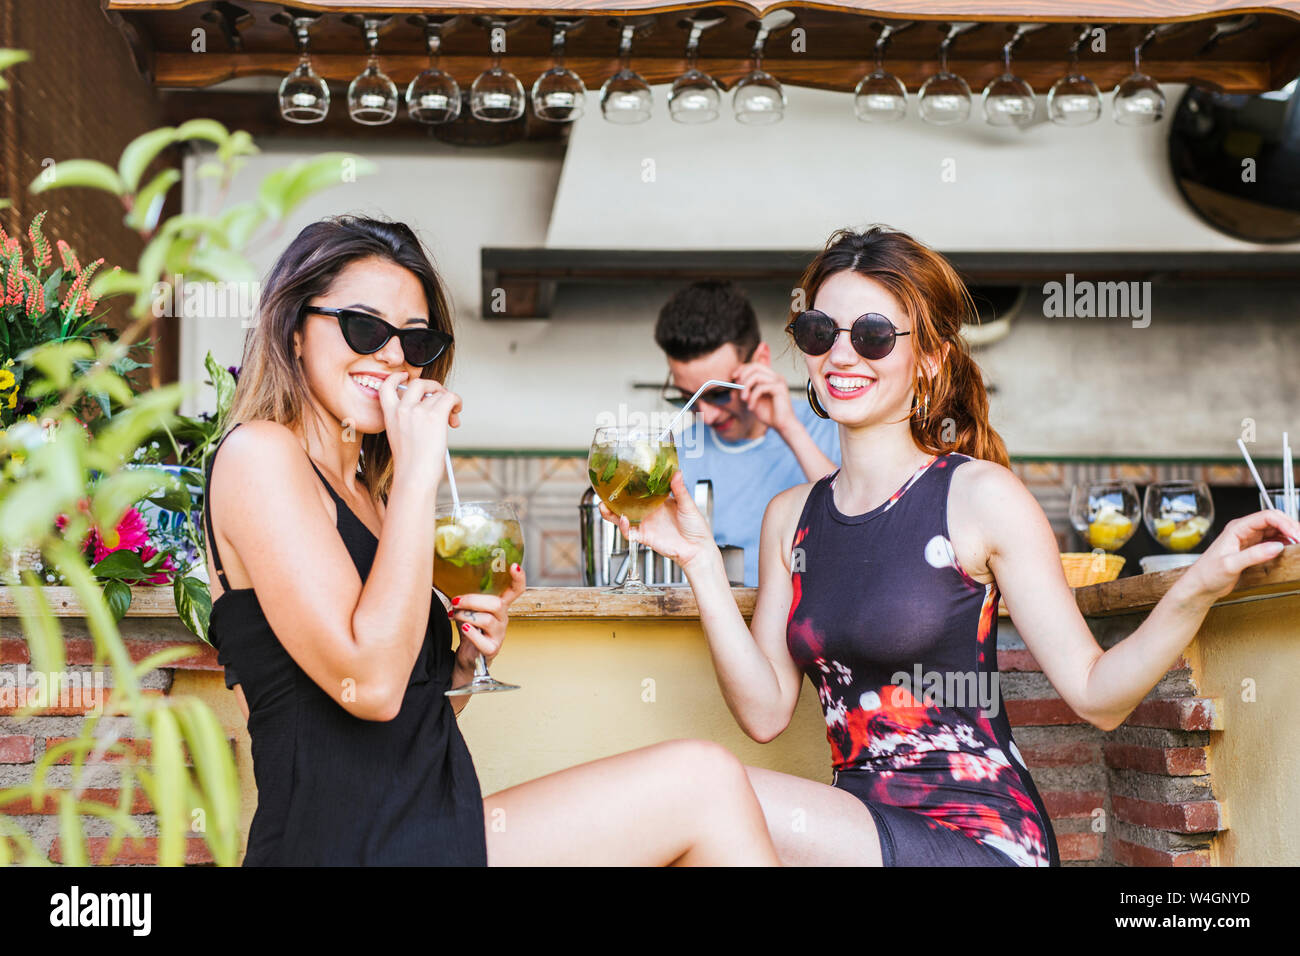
481	621
677	529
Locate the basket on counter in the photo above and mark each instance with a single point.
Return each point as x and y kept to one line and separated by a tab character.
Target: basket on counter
1083	568
1088	567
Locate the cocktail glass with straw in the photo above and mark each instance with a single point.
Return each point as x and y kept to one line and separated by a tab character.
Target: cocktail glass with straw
632	471
475	543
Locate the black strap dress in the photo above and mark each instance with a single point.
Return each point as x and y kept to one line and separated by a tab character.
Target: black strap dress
332	788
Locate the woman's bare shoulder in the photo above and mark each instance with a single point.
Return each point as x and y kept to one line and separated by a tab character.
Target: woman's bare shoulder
257	459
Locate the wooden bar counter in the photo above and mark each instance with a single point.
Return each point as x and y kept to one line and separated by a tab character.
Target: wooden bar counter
1206	771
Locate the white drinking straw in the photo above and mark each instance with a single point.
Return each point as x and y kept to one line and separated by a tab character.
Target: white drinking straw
451	483
687	407
1288	478
1263	492
1264	495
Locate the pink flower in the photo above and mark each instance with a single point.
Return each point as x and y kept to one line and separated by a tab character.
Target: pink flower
168	568
129	535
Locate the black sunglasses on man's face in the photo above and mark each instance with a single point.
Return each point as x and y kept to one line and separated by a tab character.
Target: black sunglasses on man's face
366	334
719	396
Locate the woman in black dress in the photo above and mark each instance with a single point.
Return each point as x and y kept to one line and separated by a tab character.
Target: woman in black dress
880	584
320	506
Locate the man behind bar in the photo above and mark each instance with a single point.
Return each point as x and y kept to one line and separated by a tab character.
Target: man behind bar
751	443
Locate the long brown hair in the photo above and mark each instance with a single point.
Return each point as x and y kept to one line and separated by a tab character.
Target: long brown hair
272	383
938	302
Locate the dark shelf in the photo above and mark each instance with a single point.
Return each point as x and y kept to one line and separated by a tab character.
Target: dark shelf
529	276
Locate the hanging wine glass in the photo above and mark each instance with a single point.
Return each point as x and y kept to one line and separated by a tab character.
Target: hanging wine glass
626	98
1009	100
1074	100
372	96
1139	101
433	96
695	96
559	95
758	99
881	97
304	95
497	96
945	97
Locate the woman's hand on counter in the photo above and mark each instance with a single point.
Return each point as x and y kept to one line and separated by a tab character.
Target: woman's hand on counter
676	530
481	619
1243	543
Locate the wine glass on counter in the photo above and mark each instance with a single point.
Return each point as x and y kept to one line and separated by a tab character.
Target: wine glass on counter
632	470
1178	514
1105	513
475	543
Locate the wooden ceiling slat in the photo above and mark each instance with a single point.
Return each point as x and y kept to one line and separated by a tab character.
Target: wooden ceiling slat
1108	10
838	38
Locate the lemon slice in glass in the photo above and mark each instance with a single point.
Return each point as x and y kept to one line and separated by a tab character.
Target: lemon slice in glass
448	540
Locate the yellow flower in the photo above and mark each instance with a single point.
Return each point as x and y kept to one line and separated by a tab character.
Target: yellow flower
13	399
6	379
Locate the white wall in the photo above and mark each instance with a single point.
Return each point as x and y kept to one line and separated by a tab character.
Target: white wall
969	187
1211	356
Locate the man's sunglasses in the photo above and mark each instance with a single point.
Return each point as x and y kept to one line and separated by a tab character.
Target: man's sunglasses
365	334
715	396
872	335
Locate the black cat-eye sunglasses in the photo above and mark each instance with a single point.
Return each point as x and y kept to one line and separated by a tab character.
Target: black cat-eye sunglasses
365	334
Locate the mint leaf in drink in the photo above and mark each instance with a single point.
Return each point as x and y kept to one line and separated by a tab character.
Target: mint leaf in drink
591	473
611	466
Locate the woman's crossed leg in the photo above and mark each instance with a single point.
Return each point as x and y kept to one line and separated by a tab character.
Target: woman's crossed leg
683	802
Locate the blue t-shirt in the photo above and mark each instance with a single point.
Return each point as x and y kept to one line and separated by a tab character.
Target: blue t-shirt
746	475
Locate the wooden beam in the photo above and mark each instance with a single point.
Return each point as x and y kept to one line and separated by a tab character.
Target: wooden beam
1112	11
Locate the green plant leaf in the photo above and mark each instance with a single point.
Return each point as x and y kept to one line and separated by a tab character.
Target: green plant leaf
143	213
140	152
7	59
169	785
115	494
214	766
119	565
168	655
169	491
221	265
148	412
240	222
79	172
224	383
118	597
193	605
208	129
114	282
71	838
44	639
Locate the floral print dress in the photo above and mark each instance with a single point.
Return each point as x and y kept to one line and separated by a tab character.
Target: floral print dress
901	646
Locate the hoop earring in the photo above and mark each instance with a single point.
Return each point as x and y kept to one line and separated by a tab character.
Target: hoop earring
816	405
925	409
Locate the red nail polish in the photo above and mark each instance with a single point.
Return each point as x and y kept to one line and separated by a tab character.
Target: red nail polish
465	628
455	600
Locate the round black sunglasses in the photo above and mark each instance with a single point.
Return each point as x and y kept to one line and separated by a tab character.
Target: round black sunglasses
872	335
365	334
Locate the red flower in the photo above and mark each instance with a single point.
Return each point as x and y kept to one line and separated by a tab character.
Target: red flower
168	568
129	535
